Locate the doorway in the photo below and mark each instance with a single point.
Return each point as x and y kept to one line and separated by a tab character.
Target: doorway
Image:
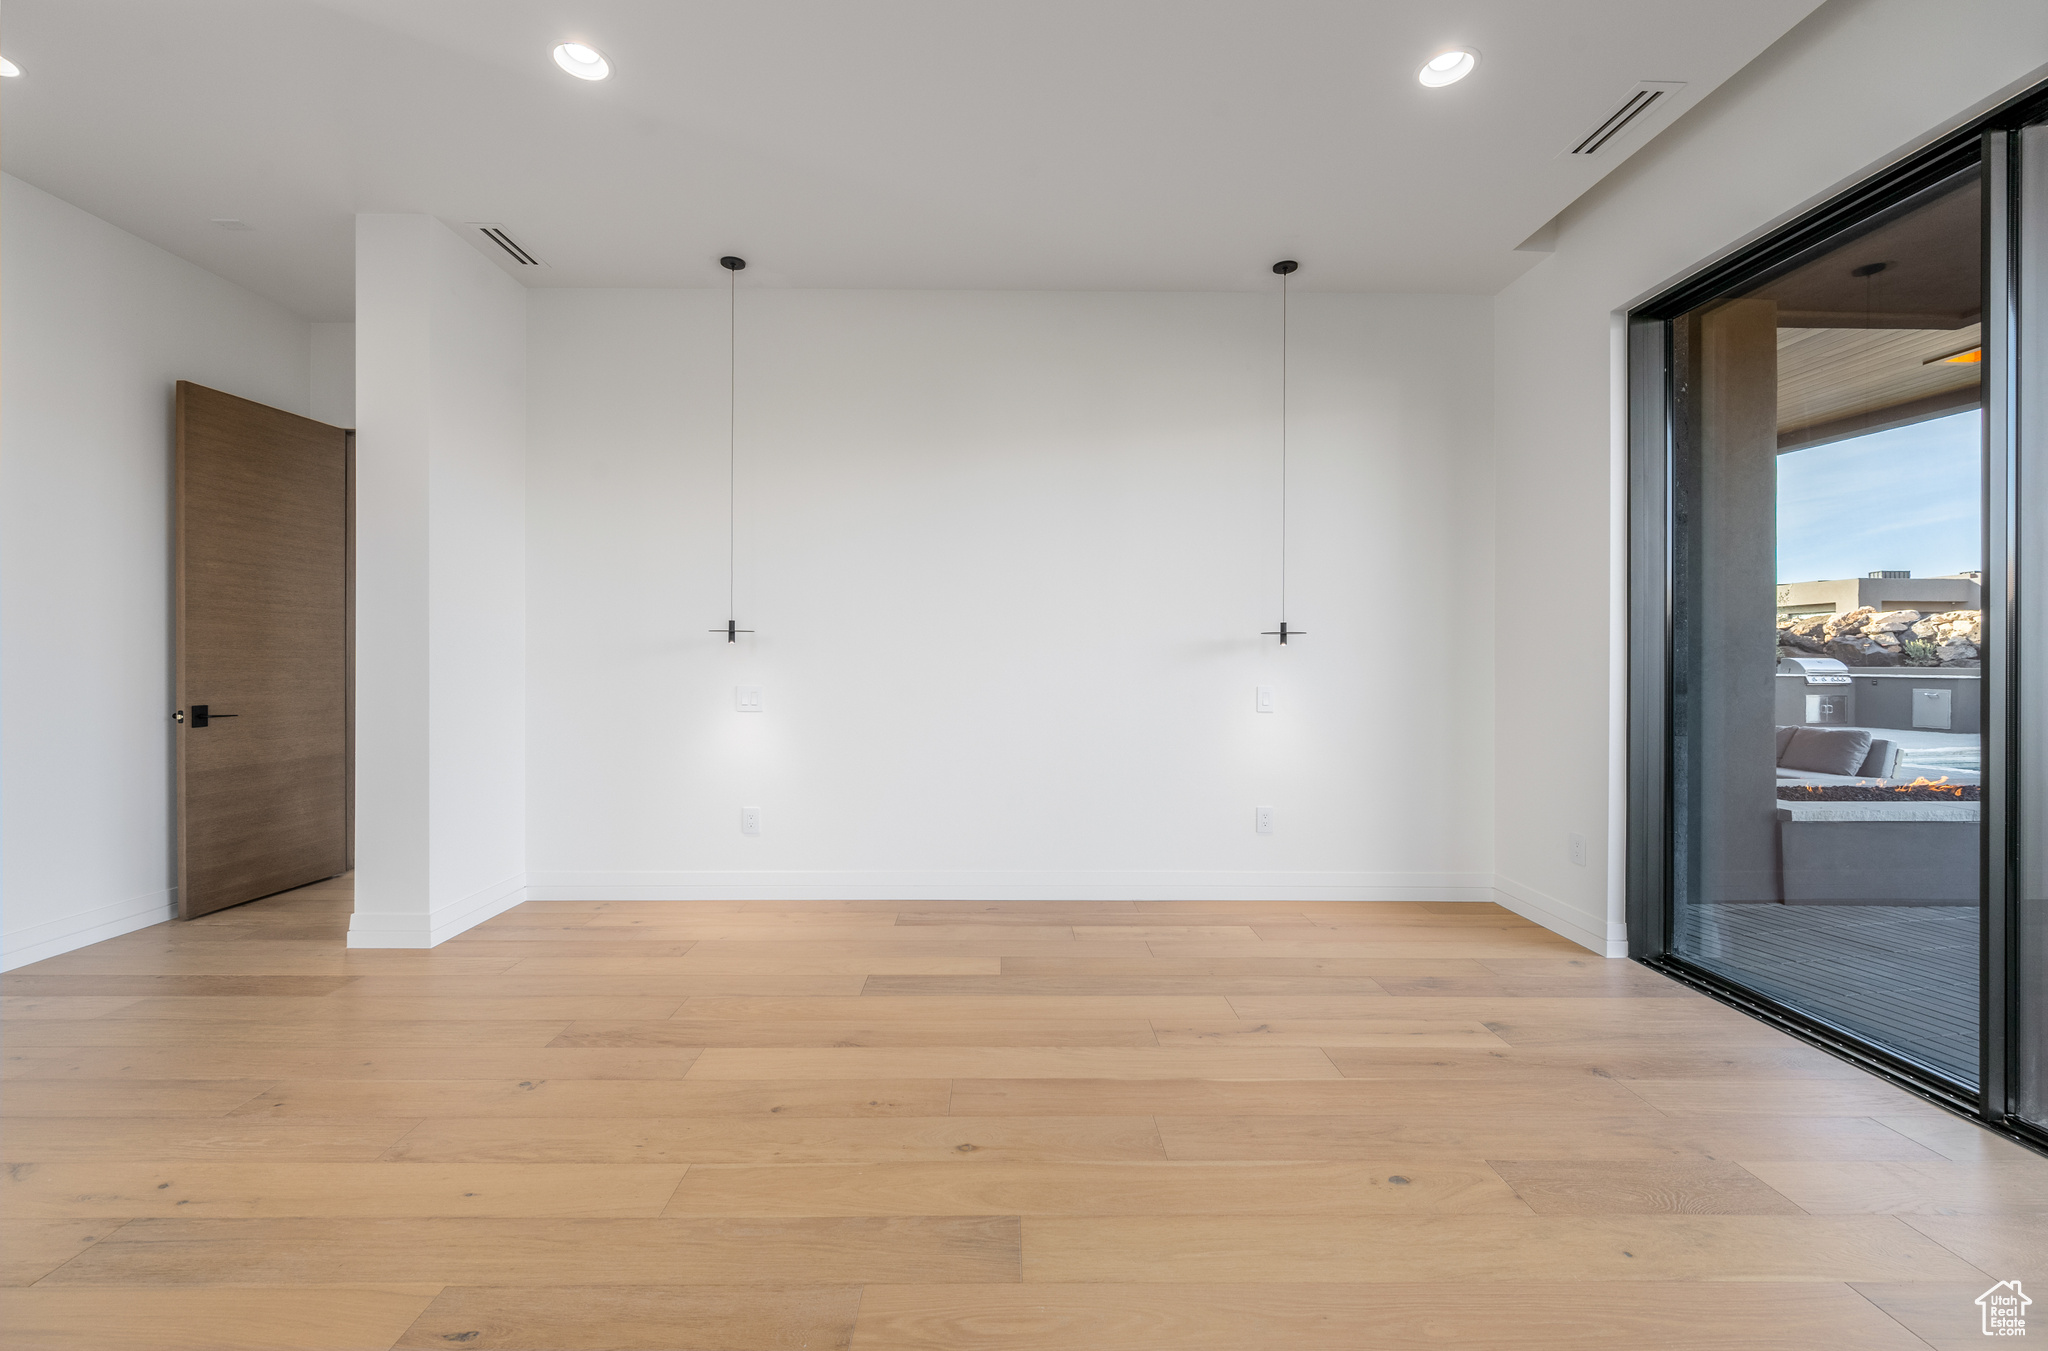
264	612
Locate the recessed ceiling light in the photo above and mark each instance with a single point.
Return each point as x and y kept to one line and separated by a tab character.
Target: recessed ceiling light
1449	68
8	70
585	63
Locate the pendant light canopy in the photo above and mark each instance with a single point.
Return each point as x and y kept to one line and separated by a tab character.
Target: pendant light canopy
732	629
1286	267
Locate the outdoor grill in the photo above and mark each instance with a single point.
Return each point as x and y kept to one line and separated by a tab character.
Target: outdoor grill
1816	670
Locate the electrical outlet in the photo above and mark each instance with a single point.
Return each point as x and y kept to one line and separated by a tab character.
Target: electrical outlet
1262	820
1264	701
750	820
747	698
1575	848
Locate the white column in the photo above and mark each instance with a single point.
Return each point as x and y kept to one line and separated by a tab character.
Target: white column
440	584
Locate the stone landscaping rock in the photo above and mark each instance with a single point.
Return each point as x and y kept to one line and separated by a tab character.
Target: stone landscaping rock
1860	651
1804	634
1849	621
1870	637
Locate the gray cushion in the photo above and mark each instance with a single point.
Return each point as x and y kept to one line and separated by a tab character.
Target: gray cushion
1827	750
1883	760
1784	740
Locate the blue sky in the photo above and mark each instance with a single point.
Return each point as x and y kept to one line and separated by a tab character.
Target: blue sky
1906	498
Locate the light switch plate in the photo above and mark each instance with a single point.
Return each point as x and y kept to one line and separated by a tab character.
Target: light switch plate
747	698
1262	820
750	820
1265	699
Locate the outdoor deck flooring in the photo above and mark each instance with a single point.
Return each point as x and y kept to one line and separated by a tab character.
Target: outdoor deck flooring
1903	976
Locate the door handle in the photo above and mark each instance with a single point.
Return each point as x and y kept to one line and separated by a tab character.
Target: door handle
201	715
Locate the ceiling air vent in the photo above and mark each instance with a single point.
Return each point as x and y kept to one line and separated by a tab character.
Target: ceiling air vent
1651	96
500	236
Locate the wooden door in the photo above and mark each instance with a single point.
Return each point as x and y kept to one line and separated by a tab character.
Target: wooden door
263	598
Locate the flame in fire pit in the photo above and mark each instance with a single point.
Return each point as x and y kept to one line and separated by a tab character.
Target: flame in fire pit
1940	785
1921	788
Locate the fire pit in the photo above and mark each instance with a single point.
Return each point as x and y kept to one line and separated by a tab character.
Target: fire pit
1920	790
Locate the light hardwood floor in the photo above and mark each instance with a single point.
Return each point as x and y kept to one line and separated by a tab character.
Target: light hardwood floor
750	1126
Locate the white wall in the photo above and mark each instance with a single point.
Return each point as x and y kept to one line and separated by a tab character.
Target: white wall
441	592
98	326
1846	88
1008	556
334	374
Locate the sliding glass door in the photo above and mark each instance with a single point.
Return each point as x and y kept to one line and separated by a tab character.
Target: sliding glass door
1829	476
1837	816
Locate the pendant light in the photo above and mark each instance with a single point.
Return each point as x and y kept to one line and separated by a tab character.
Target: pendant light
1285	268
732	629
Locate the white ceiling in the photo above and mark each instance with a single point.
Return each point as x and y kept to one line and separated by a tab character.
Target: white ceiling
1057	144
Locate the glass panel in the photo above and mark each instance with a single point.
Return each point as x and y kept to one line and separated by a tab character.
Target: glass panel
1828	484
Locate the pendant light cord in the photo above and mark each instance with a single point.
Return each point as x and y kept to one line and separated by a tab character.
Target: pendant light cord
1283	268
732	629
732	442
1283	448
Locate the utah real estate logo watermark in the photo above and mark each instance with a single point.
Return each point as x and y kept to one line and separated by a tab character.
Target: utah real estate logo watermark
2005	1310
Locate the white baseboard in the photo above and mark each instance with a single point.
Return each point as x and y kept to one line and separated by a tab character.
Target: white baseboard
96	925
1608	940
1005	885
478	906
430	928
